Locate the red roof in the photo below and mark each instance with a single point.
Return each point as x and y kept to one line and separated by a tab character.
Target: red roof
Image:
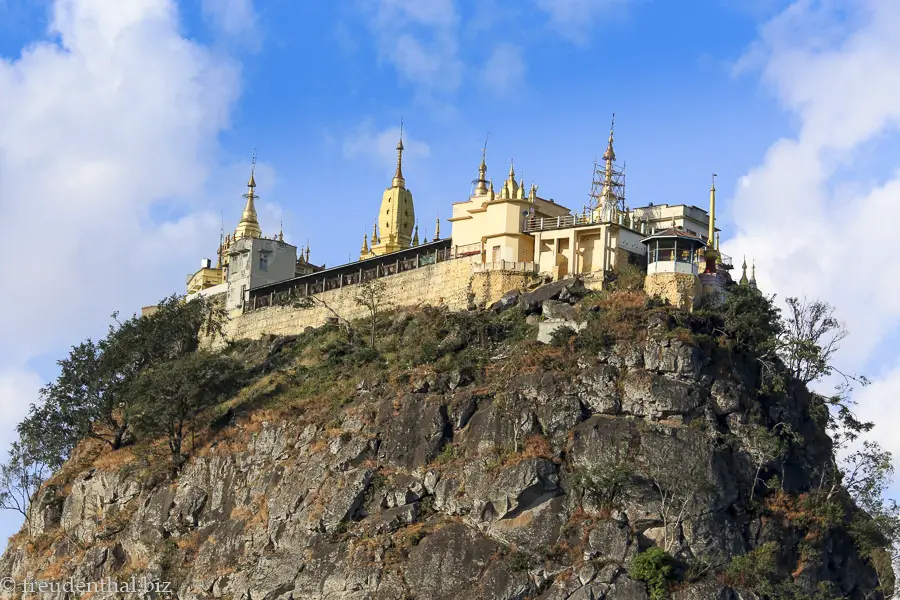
675	232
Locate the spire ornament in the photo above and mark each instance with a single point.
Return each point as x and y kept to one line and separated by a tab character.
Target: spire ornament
481	188
398	180
608	184
249	223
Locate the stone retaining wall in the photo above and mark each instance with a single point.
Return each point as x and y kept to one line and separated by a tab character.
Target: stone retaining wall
680	289
450	283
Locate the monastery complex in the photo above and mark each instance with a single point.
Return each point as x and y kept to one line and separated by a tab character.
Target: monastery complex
500	240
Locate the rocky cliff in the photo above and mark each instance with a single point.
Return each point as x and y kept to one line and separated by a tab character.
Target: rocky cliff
465	460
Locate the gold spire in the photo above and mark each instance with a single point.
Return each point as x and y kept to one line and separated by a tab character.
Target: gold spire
744	280
711	234
610	155
398	180
249	224
437	229
481	188
753	275
307	250
491	189
717	241
374	233
281	231
365	246
415	241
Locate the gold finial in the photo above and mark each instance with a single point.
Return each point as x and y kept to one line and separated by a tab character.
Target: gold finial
374	233
480	183
610	154
491	189
437	229
744	280
512	171
365	246
307	250
711	234
398	176
281	231
252	182
415	241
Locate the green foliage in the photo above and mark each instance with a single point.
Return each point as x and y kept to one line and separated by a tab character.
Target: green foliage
90	398
604	484
809	338
449	453
166	399
519	561
373	296
21	477
562	336
628	278
653	567
756	570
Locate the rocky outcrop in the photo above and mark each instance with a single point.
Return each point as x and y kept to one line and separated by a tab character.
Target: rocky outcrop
448	488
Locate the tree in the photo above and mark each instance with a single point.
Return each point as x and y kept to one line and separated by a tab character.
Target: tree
764	445
372	295
809	338
89	397
751	320
21	477
167	398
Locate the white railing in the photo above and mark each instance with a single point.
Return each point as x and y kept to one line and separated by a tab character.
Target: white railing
548	223
506	265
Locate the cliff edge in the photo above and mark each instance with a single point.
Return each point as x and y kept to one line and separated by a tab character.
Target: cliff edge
636	457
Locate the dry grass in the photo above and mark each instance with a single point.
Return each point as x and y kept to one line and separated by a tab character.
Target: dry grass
113	460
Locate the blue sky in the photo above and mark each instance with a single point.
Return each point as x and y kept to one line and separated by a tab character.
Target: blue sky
126	131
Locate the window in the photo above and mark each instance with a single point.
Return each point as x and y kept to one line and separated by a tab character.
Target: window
495	255
263	262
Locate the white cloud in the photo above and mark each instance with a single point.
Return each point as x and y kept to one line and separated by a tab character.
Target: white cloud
421	40
18	389
381	146
101	130
233	17
574	19
813	230
504	71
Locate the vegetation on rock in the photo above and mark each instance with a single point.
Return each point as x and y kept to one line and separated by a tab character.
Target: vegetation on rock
421	453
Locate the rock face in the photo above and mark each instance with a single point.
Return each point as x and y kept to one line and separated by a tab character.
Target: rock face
449	492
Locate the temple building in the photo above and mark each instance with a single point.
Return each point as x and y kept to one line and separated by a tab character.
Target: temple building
502	237
247	259
393	231
493	225
541	235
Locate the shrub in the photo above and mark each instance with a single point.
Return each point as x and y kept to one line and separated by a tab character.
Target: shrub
562	336
653	567
604	484
756	570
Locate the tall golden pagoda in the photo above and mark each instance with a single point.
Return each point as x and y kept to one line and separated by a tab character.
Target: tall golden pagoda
396	218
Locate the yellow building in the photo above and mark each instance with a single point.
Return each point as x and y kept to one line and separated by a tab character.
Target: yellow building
393	231
493	225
